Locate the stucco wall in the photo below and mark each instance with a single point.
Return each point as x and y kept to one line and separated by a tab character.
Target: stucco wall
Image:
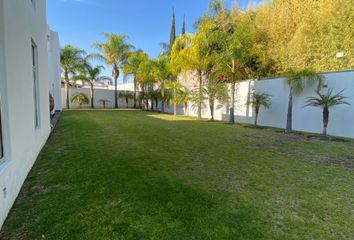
54	78
20	22
107	94
308	119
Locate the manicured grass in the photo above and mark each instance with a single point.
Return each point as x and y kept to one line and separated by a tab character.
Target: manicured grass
140	175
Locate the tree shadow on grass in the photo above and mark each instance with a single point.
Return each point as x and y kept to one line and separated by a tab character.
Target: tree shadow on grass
131	204
183	212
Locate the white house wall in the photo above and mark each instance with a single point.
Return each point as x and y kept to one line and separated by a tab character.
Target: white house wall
54	78
21	22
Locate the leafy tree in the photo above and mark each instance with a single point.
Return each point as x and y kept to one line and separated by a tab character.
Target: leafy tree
91	75
132	65
71	60
104	102
326	101
298	81
235	45
114	52
80	98
258	100
183	25
308	33
173	29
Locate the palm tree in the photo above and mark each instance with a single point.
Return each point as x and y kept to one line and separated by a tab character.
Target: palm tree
176	89
80	98
166	98
184	96
104	102
198	97
215	90
143	97
91	75
71	60
114	52
132	67
298	81
259	99
190	54
161	71
326	101
126	95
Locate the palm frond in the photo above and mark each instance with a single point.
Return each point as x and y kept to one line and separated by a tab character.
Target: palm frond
327	100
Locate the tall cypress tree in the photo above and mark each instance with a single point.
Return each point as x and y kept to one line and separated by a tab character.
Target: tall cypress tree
184	25
173	29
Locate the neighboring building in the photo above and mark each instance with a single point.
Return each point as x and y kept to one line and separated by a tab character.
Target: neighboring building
26	67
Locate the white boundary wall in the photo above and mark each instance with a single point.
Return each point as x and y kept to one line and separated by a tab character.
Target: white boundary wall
308	119
107	94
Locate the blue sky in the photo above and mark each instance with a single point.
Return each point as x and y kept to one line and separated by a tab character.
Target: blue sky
146	22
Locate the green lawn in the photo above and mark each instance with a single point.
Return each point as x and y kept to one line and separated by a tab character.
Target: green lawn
141	175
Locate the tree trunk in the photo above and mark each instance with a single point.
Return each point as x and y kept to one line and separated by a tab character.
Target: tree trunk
66	76
211	106
127	101
162	94
92	98
134	92
232	108
174	109
152	105
200	76
256	117
147	105
116	91
290	112
115	73
186	107
104	105
325	121
162	106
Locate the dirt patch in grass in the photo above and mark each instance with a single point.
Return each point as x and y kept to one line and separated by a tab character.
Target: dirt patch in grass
344	161
327	139
255	127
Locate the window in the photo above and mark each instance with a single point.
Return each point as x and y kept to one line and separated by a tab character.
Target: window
35	85
1	141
